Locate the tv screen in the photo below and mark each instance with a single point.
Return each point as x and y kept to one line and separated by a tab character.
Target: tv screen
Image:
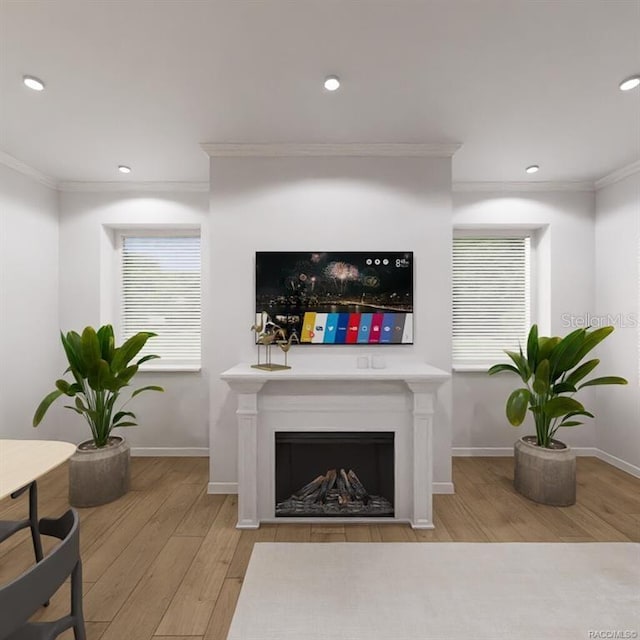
347	297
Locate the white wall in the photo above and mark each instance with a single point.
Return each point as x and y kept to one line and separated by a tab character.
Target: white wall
617	269
322	204
28	300
177	418
565	258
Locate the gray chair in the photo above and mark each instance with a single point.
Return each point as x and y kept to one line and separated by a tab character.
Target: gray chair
9	527
22	597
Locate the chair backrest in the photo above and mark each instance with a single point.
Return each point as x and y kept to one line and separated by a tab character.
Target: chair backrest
23	596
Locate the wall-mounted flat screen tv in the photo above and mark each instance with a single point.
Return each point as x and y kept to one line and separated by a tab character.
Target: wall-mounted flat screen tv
339	297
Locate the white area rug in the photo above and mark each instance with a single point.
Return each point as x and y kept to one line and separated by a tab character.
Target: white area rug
439	591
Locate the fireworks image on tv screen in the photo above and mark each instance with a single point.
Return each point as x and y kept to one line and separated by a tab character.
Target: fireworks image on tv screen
362	297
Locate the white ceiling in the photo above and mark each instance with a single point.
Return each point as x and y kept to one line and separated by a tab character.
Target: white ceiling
143	82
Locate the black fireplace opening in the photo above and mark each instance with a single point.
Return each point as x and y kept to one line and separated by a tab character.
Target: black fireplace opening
334	474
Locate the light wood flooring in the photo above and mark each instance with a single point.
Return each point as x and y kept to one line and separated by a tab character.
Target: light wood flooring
166	560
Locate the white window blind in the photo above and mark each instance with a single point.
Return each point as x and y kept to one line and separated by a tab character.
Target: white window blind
491	297
160	292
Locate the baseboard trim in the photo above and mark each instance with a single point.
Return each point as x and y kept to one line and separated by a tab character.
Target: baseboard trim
594	452
222	488
443	487
623	465
170	452
499	452
481	452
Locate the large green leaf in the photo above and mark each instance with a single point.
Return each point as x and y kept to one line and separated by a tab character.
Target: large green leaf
44	405
560	406
564	352
604	380
107	342
126	374
72	344
546	346
146	359
66	388
517	406
100	376
532	347
123	355
572	414
582	371
592	340
502	367
148	388
122	414
541	381
90	348
521	364
563	387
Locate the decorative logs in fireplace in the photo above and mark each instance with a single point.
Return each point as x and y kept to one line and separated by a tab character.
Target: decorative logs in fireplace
336	493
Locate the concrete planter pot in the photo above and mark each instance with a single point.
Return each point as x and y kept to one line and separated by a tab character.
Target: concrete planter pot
545	475
98	476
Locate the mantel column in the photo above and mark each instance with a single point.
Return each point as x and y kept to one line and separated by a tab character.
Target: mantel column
248	453
423	410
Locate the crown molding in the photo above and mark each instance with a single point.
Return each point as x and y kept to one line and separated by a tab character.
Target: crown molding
355	149
618	174
132	187
514	187
19	166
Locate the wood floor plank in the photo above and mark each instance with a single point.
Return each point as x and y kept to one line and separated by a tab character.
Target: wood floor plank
95	631
599	529
460	523
358	533
396	533
223	612
248	538
193	603
140	614
198	472
328	537
202	513
105	546
118	581
521	520
327	528
293	533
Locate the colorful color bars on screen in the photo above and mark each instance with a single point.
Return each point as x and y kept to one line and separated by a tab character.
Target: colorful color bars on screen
357	328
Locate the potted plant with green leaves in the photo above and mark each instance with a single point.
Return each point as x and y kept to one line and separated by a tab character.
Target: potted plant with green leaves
552	371
99	470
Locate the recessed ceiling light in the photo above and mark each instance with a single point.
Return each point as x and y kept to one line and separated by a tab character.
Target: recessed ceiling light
122	168
33	83
332	83
534	168
630	83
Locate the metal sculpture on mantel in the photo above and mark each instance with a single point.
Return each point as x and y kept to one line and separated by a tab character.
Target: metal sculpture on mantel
269	333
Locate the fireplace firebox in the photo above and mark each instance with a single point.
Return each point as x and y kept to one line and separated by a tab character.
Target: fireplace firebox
334	474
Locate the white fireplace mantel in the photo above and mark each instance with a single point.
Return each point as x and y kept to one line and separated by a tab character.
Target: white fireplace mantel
336	396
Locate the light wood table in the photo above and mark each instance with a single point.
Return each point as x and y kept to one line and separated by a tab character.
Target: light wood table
22	462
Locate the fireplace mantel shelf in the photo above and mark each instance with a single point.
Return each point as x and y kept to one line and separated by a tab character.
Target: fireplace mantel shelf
408	371
400	397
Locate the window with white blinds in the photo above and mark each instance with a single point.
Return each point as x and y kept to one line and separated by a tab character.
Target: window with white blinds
491	297
160	292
